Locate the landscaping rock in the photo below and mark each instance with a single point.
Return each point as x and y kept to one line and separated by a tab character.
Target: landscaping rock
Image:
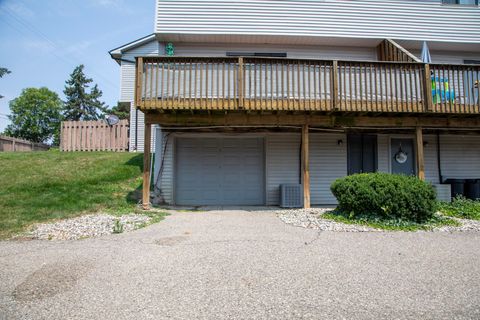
466	225
88	226
312	218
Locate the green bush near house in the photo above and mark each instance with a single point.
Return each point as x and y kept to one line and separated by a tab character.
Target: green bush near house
385	196
461	207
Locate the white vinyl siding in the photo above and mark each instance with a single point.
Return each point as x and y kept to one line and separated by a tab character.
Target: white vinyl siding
293	51
127	90
165	182
328	161
383	153
282	163
450	57
460	158
430	156
410	20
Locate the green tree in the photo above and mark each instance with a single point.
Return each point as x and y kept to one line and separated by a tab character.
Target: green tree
82	104
3	71
121	110
35	115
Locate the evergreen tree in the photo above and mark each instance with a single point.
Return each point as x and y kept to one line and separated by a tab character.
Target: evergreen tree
82	104
121	110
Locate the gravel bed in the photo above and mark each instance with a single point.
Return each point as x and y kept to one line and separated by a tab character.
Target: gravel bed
312	218
466	225
87	226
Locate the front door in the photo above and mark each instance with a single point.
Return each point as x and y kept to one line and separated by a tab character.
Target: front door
362	153
402	156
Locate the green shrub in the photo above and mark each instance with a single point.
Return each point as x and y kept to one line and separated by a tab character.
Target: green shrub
386	196
117	226
462	207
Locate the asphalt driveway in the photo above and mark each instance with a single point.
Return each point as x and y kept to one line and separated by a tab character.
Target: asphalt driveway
242	265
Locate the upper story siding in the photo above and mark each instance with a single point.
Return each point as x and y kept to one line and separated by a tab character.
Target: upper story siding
409	20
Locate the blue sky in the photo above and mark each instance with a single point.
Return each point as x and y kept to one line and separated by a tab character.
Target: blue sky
41	42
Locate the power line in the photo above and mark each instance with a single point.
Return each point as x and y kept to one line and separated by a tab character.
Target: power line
54	46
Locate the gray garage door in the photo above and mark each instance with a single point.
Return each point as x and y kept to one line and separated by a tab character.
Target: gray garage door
219	171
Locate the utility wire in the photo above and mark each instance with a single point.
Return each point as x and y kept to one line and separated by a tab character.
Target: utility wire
54	46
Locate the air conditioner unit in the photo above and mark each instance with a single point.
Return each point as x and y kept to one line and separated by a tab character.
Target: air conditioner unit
291	196
443	192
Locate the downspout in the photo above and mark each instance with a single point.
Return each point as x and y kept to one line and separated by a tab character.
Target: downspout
300	161
152	157
438	158
136	129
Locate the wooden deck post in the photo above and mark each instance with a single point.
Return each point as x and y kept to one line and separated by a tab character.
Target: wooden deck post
305	167
138	82
241	82
146	166
419	152
334	92
428	89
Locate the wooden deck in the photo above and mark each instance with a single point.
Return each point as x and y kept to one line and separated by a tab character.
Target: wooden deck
272	84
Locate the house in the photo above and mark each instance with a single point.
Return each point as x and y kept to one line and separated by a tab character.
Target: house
245	96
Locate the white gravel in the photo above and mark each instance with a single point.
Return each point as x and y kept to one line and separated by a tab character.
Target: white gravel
87	226
312	218
466	225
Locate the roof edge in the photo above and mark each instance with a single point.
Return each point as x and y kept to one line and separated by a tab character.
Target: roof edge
117	52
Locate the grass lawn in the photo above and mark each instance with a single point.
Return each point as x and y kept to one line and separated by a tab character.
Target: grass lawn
461	208
41	186
392	225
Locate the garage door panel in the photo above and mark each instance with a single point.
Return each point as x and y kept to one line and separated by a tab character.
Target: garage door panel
220	171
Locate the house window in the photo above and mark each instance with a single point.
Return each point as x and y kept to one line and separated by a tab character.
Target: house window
461	2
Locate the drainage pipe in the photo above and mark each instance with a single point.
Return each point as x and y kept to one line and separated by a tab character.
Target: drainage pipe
440	176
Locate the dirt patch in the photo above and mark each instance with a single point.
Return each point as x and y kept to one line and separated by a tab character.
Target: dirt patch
50	280
170	241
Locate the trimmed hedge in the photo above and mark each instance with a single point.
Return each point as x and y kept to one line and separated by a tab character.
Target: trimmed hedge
387	196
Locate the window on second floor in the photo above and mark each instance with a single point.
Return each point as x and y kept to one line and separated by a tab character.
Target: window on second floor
461	2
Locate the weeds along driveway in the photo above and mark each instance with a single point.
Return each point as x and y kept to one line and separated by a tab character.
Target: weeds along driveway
242	265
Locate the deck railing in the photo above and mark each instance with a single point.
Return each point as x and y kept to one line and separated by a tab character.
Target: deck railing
253	83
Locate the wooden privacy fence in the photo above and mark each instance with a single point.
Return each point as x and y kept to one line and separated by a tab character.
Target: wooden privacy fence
94	136
9	144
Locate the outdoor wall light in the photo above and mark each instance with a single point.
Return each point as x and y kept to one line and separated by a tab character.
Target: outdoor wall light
340	142
425	143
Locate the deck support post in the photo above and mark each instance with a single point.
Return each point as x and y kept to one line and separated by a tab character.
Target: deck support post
146	166
305	167
241	83
419	152
428	88
138	82
334	96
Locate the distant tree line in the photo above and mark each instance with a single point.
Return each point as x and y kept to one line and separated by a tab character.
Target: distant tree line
36	114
